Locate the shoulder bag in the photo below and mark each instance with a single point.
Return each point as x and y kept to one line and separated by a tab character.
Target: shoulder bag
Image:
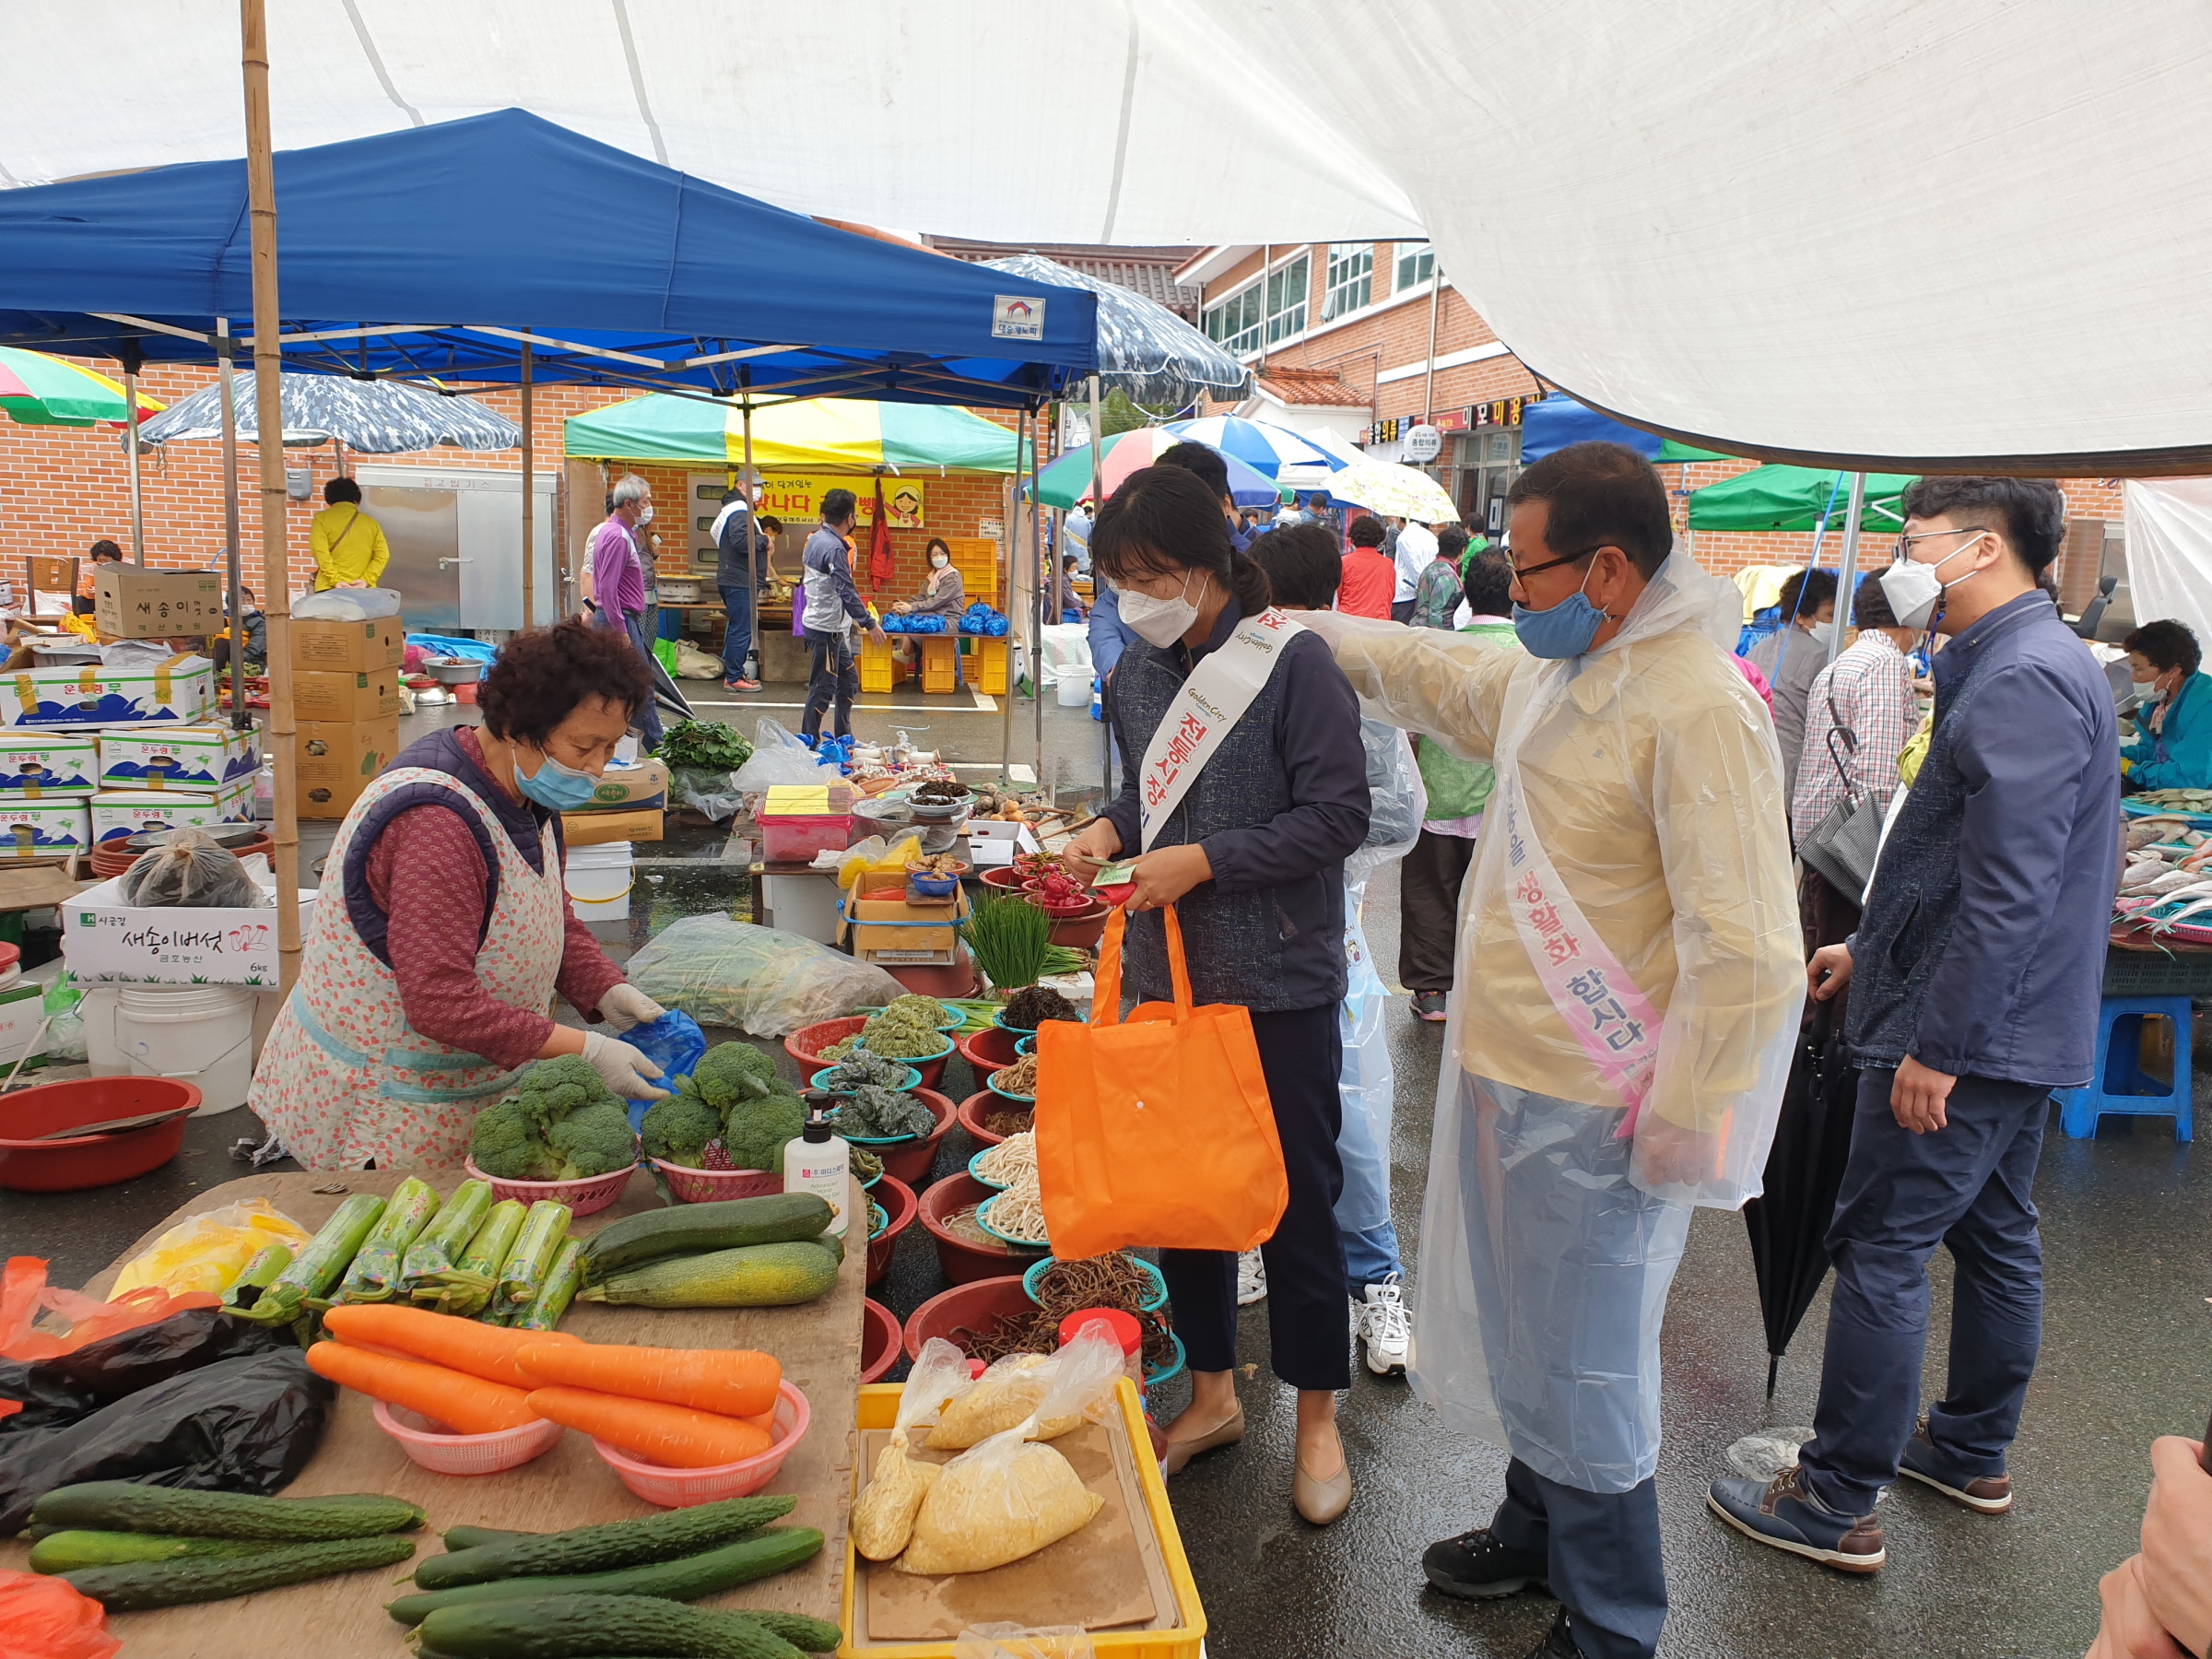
1844	845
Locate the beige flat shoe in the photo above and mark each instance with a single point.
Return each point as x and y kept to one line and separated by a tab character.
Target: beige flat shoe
1321	1501
1180	1452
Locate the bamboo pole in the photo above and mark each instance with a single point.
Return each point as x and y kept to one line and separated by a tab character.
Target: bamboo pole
752	549
241	718
529	502
261	207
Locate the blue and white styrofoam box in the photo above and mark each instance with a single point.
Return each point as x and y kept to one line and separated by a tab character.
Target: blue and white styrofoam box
160	755
93	694
42	829
37	766
117	813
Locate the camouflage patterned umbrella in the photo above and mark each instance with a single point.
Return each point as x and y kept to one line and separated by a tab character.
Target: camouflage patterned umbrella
370	417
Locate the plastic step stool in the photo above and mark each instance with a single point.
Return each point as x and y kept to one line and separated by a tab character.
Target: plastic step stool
2121	1085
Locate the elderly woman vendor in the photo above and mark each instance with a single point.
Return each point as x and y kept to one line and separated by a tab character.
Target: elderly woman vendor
443	929
2172	748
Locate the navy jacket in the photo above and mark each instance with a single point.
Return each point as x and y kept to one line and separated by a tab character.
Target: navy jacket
1981	949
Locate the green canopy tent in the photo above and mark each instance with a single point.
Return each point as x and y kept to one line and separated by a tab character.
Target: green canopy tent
1796	498
805	433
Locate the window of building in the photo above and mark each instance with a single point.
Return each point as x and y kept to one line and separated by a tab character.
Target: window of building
1287	291
1416	263
1351	278
1235	323
1272	310
1489	460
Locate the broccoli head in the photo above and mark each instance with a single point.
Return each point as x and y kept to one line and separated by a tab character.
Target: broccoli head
730	1073
755	1132
505	1142
677	1129
552	1088
596	1140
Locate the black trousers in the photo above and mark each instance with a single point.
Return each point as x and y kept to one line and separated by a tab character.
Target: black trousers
833	675
1309	1312
1428	883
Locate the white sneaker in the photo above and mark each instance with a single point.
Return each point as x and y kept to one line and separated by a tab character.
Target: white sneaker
1252	1279
1387	1327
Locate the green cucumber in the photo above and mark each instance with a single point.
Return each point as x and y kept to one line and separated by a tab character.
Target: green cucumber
476	1537
126	1506
607	1545
571	1627
754	1275
139	1584
760	1556
809	1635
692	1228
70	1549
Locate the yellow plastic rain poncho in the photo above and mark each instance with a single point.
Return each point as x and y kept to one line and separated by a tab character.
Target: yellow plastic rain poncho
1648	771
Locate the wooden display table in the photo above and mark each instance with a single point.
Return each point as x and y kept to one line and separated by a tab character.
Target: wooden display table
338	1617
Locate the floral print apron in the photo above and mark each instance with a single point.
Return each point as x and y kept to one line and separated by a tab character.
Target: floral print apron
343	1079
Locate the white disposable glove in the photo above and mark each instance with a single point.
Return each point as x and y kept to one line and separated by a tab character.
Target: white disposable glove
625	1006
625	1069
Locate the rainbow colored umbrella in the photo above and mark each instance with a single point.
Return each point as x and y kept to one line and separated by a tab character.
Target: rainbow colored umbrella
804	434
38	390
1067	480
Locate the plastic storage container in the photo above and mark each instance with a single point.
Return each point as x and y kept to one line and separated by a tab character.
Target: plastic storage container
876	668
991	666
599	879
198	1034
797	820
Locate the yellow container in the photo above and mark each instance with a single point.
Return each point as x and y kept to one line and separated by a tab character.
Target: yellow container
939	652
991	667
876	664
879	1409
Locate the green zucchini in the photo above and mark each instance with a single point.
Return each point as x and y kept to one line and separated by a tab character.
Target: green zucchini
562	1281
260	1273
69	1549
607	1545
755	1276
441	1244
810	1635
320	1264
692	1228
126	1506
475	1538
138	1584
523	1275
567	1626
374	1275
761	1554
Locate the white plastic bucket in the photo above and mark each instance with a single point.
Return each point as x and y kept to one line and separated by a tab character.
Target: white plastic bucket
199	1034
1074	690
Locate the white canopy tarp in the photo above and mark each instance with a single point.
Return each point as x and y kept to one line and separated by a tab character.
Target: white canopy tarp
2170	551
1897	232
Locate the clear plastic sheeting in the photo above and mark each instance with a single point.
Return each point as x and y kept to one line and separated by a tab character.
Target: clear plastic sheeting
724	971
2170	551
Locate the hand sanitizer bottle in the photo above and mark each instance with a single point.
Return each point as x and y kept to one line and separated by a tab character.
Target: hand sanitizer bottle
820	1162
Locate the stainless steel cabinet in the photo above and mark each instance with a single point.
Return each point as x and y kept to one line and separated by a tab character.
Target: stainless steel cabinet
457	544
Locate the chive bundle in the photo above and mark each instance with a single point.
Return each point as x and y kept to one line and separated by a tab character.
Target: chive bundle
1009	937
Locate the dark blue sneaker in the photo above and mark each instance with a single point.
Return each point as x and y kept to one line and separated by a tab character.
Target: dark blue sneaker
1781	1513
1923	1461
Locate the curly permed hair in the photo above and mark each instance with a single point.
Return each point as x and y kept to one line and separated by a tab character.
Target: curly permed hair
538	679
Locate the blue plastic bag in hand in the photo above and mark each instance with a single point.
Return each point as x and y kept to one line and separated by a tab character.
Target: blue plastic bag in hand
675	1044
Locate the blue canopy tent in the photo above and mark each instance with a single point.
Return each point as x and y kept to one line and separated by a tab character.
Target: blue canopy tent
1557	422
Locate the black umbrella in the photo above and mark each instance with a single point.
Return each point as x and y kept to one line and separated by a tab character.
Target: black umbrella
1812	1143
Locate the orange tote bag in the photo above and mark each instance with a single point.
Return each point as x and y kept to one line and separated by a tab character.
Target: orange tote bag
1156	1131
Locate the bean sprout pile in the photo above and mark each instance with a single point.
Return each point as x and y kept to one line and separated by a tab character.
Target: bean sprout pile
1012	1162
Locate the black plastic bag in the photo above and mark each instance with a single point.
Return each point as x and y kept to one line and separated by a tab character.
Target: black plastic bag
69	1386
243	1425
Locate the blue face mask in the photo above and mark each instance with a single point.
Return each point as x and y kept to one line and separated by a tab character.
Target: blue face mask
1564	631
557	787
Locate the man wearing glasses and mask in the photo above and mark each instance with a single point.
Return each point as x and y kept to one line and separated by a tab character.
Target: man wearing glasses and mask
1976	977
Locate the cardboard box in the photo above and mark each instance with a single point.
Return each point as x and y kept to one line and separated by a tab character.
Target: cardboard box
597	829
336	760
36	765
107	942
45	830
892	930
120	812
93	694
201	758
365	694
349	647
644	784
133	603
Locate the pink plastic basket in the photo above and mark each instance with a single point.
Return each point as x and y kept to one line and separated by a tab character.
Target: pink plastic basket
708	1186
444	1454
680	1489
587	1196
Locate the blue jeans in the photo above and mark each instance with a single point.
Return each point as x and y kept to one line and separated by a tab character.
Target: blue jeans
738	639
1968	1186
1601	1551
1370	1256
648	717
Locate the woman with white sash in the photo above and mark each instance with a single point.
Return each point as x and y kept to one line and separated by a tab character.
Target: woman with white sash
1628	979
1245	788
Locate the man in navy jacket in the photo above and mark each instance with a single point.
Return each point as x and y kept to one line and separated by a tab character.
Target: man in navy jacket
1976	977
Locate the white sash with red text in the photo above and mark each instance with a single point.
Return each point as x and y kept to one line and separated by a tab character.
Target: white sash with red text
1210	702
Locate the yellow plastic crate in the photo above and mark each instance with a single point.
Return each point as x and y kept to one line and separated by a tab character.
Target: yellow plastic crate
976	557
991	667
879	1409
876	664
939	654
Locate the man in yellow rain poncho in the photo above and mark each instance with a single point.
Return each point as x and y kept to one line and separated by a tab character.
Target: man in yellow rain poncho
1627	990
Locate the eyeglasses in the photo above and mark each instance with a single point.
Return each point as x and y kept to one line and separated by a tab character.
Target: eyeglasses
1903	550
1523	574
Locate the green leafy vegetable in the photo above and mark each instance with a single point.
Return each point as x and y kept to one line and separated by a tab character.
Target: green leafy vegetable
704	745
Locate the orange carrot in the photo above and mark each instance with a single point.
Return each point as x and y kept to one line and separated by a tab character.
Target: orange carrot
673	1435
728	1381
453	1399
460	1344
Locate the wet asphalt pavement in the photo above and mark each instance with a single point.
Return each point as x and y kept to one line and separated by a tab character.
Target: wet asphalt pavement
2125	1356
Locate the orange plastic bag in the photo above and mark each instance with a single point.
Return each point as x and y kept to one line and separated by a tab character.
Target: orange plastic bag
1157	1130
48	1619
24	1294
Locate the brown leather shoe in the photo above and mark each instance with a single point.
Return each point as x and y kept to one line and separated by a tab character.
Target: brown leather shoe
1321	1501
1180	1452
1923	1461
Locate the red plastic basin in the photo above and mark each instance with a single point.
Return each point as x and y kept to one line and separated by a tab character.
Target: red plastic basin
806	1043
963	1260
879	1339
989	1051
977	1109
975	1306
909	1161
899	1203
66	1166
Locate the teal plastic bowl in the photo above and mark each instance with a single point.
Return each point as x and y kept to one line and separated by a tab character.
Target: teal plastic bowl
1008	1239
914	1081
1161	1375
1031	1280
996	1186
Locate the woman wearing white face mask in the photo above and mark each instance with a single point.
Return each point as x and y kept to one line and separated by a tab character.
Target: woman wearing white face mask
2174	748
1244	829
944	593
1791	655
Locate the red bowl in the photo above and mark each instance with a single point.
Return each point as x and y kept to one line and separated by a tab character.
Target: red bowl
954	978
1079	930
978	1107
963	1260
879	1340
898	1203
1003	880
910	1160
806	1043
29	1165
989	1051
969	1306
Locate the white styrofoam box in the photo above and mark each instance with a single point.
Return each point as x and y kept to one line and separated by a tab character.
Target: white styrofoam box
93	694
22	1010
44	829
37	765
162	754
108	942
117	813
